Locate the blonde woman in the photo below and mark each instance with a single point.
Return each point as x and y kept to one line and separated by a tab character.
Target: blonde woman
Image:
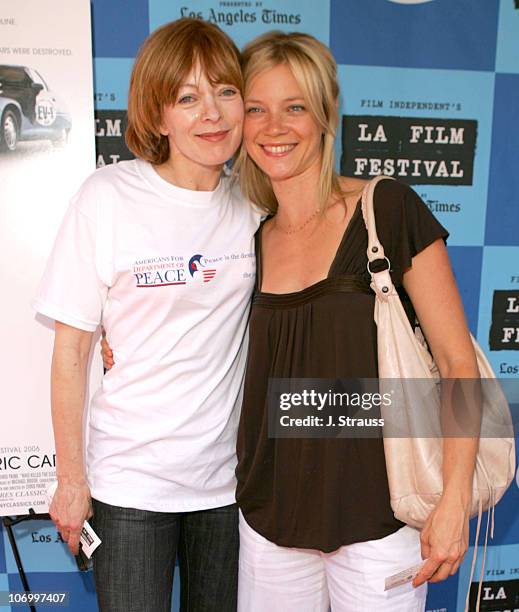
316	525
160	249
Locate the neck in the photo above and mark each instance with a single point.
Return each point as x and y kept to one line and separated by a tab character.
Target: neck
190	176
298	197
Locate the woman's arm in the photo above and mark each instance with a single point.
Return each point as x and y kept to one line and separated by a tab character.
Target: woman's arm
71	504
431	286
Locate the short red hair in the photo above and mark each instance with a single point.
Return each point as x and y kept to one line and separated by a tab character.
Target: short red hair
164	61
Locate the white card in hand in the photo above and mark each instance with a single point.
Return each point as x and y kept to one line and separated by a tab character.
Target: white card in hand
403	577
88	537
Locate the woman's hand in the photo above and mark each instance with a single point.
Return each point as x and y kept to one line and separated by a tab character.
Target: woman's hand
444	539
71	506
106	353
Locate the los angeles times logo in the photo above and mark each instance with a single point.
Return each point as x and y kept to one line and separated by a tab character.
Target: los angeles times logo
411	1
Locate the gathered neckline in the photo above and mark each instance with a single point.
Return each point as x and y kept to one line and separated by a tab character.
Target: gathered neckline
317	284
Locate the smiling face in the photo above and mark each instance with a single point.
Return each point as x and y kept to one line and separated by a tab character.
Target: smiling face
204	123
280	133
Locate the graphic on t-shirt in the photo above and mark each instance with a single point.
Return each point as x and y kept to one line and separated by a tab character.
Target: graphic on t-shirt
197	264
168	270
160	271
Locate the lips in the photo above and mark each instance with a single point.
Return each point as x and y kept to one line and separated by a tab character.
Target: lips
277	150
214	136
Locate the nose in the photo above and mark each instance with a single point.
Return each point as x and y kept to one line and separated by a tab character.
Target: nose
275	124
211	109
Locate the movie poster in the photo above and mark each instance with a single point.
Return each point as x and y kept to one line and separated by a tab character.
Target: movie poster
46	151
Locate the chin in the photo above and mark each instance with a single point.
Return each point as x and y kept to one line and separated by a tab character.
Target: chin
219	156
276	174
270	167
212	158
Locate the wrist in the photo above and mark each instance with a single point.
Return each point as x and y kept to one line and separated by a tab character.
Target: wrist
459	495
72	480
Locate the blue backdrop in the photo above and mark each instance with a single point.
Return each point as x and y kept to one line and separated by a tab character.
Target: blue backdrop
430	91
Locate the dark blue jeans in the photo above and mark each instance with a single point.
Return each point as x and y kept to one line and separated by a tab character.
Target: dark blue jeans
134	566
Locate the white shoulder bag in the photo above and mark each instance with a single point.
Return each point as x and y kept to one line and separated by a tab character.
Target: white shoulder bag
414	463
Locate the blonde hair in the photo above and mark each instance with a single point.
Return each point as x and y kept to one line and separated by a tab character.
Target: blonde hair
315	71
163	63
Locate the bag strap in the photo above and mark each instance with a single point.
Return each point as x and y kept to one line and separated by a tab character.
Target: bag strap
382	285
381	282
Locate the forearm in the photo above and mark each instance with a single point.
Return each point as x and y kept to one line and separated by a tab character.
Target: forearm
461	419
68	384
459	457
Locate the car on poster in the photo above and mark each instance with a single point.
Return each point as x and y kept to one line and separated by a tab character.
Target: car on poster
29	110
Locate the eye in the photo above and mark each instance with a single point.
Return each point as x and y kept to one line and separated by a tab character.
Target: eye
228	92
253	109
186	99
296	108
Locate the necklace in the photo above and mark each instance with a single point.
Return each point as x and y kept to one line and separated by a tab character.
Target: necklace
290	229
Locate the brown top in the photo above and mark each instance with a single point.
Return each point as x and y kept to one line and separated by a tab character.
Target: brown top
324	493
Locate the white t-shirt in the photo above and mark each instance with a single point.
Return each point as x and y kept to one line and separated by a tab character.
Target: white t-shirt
170	273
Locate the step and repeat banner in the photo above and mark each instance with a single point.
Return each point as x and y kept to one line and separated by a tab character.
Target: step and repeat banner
429	94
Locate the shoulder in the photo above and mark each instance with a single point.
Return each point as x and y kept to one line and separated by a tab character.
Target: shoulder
390	196
103	184
393	190
405	224
393	198
107	175
113	173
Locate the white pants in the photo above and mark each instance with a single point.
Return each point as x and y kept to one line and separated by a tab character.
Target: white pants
276	578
